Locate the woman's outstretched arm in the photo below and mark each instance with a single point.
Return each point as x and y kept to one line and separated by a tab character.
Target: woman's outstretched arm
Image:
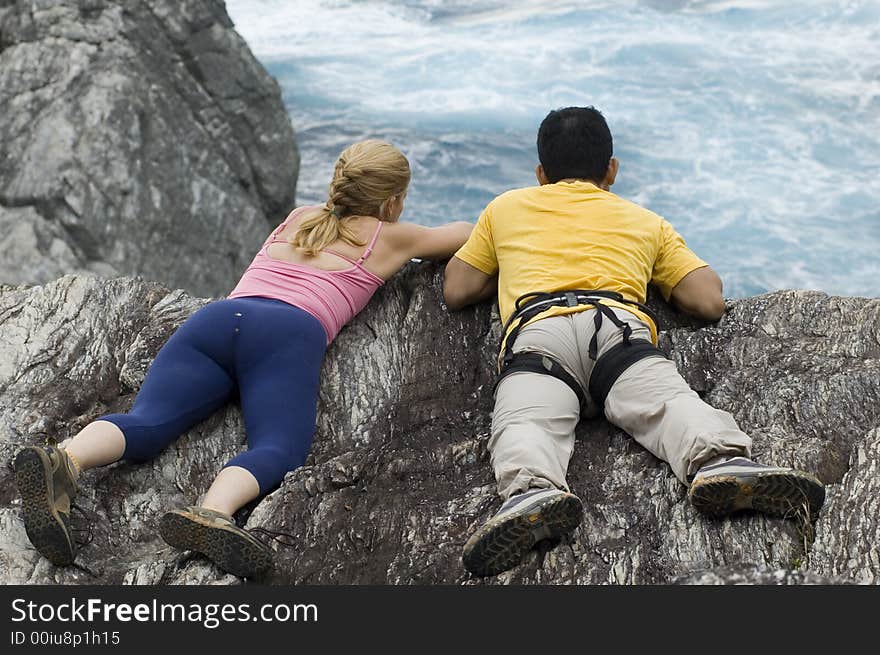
402	242
422	242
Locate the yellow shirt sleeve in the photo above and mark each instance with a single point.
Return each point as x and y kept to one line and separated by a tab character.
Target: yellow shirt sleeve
674	260
479	249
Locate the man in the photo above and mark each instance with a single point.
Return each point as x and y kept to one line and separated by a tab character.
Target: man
573	262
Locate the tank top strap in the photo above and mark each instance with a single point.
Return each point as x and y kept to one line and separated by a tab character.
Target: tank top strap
371	244
339	254
273	238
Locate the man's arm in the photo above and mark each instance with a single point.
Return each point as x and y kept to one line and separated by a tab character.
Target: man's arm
699	294
465	285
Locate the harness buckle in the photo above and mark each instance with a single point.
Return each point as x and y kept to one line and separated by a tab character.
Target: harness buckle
571	299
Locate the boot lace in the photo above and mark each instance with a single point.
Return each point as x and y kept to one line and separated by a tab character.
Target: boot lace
89	520
284	539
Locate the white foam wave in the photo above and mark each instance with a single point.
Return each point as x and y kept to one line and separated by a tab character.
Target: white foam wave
753	125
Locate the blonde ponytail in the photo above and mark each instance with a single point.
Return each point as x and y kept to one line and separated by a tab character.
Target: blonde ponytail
366	175
321	228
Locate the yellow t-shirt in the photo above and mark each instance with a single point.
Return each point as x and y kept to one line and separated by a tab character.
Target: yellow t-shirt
574	235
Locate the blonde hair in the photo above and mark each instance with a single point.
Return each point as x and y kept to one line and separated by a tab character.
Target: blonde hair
367	174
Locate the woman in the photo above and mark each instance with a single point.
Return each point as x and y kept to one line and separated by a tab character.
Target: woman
267	339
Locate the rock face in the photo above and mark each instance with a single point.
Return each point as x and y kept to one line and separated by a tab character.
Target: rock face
136	137
399	474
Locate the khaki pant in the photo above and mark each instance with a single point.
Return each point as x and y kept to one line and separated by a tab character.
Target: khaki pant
536	414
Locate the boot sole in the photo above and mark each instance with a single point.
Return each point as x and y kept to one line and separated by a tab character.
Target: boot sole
227	549
44	525
782	495
502	543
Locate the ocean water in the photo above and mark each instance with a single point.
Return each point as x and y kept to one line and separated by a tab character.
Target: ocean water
752	126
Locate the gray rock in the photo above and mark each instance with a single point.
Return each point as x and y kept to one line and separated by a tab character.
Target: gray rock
746	575
136	137
399	473
848	545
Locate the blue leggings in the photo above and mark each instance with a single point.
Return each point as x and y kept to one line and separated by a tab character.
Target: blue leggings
270	350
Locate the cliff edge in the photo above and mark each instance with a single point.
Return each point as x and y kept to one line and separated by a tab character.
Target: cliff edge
399	473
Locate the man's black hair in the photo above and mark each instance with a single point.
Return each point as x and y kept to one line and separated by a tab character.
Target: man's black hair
574	142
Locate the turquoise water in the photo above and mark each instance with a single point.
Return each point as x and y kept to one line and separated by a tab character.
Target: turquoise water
754	126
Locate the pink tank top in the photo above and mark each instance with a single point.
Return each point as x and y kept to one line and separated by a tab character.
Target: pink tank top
333	297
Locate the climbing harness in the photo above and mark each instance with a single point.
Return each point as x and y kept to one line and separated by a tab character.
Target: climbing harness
607	368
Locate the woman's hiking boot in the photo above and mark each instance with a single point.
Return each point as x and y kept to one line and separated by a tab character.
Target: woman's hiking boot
216	536
46	481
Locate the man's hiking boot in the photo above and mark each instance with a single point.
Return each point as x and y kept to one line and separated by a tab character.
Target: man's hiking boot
46	481
523	521
216	536
739	483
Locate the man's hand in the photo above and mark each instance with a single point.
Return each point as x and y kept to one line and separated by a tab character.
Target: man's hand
699	294
465	285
